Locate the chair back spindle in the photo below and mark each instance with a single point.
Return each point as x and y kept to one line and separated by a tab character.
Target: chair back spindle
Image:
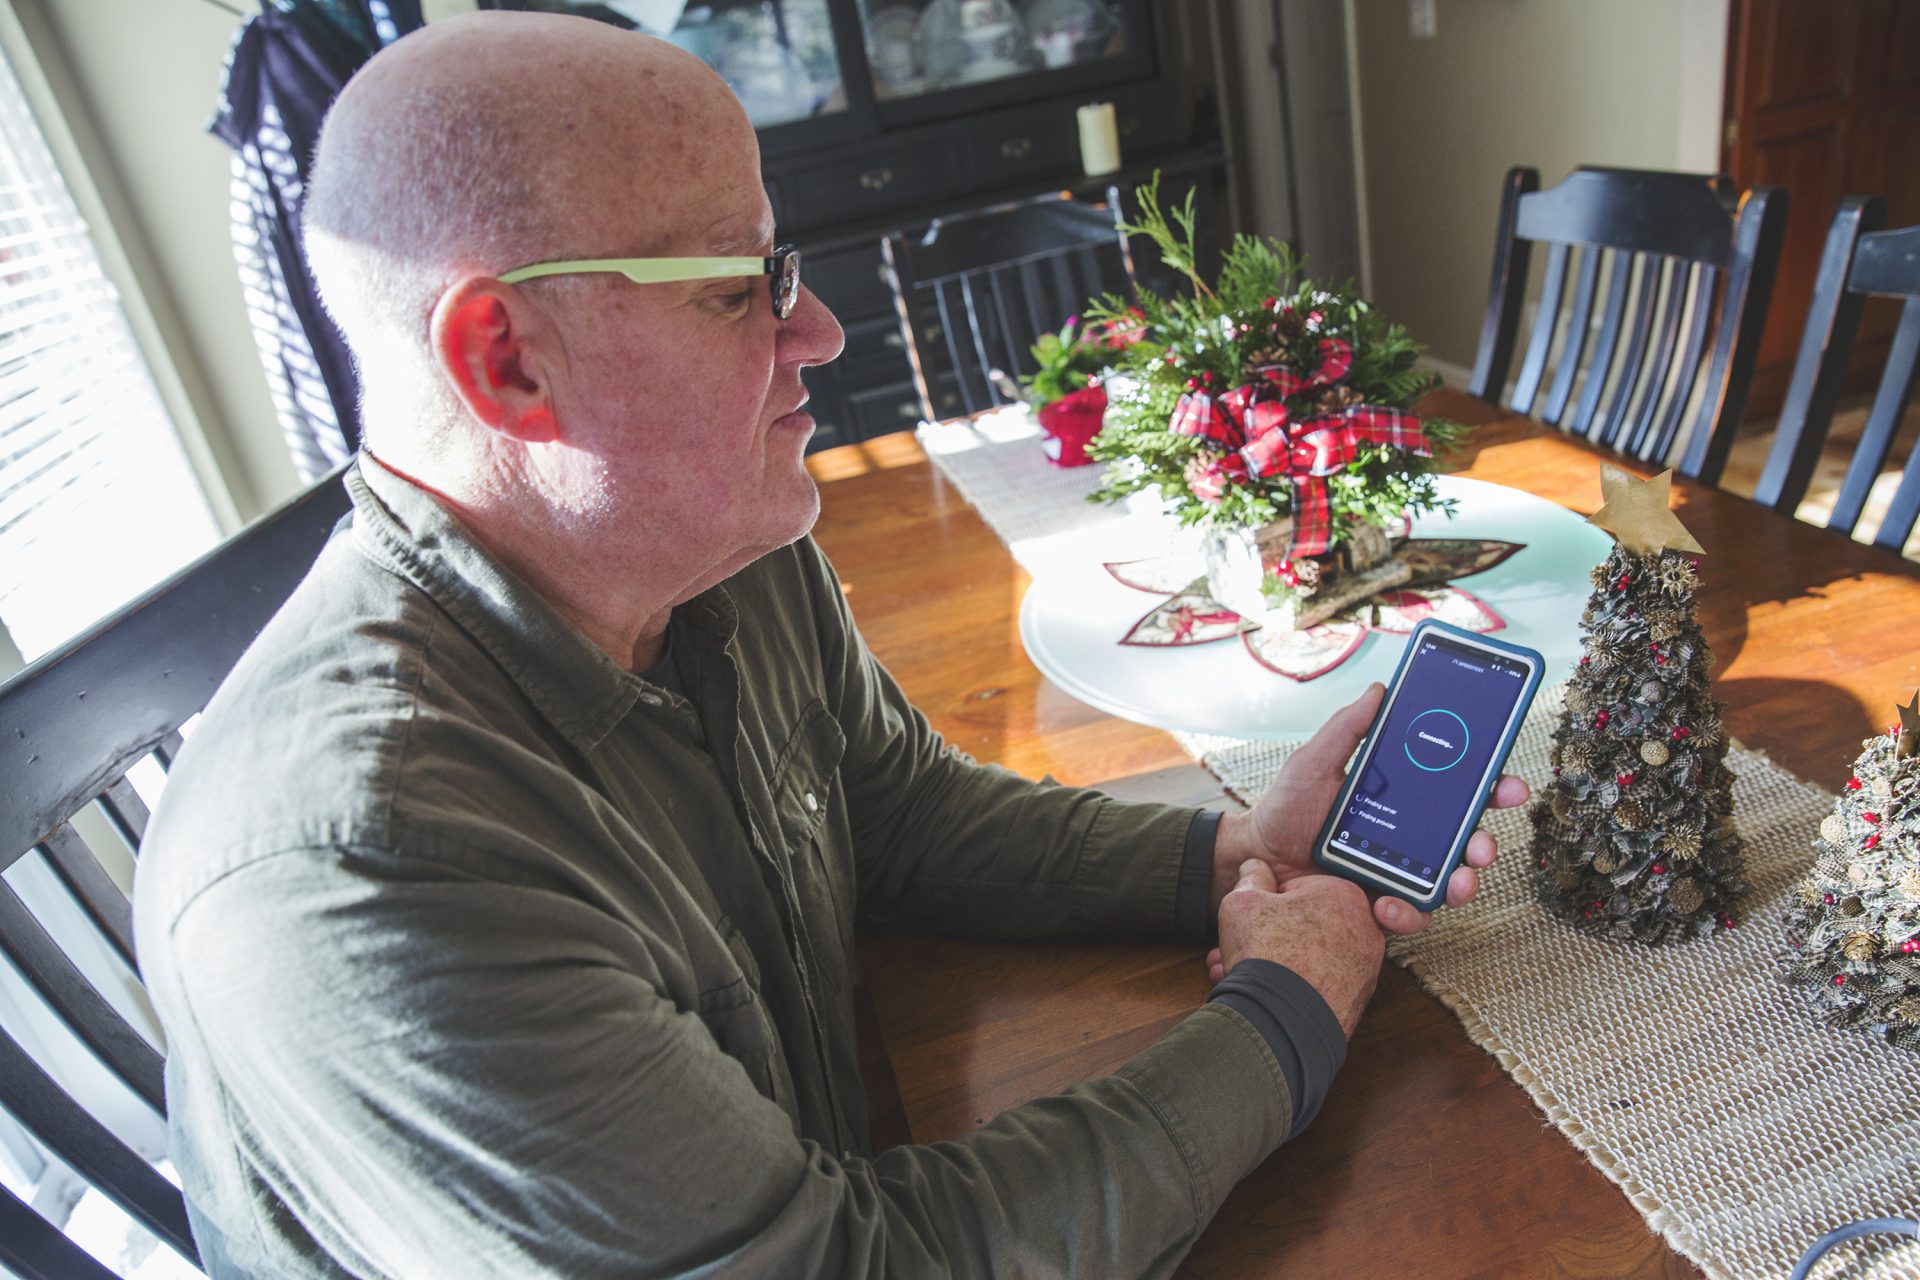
1670	275
977	290
73	725
1859	261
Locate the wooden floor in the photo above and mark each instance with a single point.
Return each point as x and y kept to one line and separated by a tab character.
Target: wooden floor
1749	455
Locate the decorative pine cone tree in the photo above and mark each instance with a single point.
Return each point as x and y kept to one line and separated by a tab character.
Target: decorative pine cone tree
1853	928
1634	839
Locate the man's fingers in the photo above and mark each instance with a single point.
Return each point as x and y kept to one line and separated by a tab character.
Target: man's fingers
1328	749
1399	917
1510	792
1480	849
1462	885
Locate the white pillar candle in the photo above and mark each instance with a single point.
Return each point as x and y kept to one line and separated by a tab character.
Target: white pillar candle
1099	139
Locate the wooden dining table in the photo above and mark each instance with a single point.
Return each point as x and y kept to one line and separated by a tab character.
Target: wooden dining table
1427	1160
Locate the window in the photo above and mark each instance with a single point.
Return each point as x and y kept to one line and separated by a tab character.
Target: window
97	499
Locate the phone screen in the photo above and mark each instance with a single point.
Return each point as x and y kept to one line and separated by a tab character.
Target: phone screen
1449	714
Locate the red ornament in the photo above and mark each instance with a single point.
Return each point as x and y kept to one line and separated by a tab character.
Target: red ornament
1600	719
1680	734
1853	784
1624	779
1871	841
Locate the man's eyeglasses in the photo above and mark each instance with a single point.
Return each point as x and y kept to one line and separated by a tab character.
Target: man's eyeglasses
783	266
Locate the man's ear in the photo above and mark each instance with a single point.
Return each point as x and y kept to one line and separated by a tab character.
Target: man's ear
494	348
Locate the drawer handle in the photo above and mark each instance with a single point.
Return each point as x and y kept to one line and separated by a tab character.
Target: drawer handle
907	409
877	179
894	340
1016	148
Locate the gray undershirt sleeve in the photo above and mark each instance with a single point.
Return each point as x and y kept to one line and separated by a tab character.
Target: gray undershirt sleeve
1289	1014
1297	1024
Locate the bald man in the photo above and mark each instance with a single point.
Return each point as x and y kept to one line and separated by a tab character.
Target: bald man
500	912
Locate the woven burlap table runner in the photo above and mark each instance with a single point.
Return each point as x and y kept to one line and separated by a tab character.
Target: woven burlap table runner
1740	1126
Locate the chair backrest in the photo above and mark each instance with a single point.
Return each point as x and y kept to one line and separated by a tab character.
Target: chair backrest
1859	261
71	726
978	289
1681	268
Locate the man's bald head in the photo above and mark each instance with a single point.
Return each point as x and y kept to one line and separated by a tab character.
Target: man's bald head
492	140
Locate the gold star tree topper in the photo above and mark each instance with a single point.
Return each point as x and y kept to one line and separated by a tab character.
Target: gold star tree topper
1635	512
1908	743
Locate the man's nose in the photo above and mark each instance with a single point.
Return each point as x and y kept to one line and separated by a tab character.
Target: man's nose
810	335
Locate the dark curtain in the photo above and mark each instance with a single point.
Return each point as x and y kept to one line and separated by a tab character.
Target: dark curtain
285	68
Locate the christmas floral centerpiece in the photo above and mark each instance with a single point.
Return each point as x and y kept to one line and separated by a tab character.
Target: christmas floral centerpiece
1275	413
1066	389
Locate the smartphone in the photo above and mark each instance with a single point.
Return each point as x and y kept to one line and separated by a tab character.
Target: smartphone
1429	763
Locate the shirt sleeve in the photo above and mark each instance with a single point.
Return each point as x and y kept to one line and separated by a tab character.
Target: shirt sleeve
944	843
445	1074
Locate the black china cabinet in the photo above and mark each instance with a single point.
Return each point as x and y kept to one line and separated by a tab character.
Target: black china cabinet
877	115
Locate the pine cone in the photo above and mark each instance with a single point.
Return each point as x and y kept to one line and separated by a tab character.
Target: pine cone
1562	804
1833	828
1654	752
1272	354
1684	896
1683	842
1334	399
1910	886
1290	325
1663	626
1907	1009
1599	576
1881	788
1630	814
1577	700
1860	947
1677	577
1604	650
1606	861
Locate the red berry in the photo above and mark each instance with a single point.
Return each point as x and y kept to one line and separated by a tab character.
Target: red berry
1679	733
1839	979
1600	718
1585	660
1870	817
1727	921
1193	384
1624	779
1871	841
1910	946
1827	898
1543	864
1853	784
1659	868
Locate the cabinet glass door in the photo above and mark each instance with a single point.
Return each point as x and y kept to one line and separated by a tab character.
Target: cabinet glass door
777	55
916	47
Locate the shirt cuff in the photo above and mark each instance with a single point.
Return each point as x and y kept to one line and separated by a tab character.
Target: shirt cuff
1297	1025
1195	886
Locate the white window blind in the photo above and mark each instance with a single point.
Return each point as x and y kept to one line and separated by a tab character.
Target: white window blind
97	500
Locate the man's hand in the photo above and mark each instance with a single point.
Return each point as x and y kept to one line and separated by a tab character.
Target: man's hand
1319	926
1280	829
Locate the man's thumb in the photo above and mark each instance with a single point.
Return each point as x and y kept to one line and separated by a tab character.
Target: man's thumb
1255	874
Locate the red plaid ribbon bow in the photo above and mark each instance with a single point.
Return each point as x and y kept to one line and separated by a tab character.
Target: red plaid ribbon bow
1254	422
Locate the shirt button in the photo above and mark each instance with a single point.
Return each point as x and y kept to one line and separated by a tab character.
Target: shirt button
652	699
811	803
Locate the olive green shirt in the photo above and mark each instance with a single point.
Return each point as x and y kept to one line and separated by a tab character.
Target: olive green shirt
480	955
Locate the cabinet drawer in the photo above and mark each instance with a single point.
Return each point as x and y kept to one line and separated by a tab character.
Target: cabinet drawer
1048	144
896	407
852	282
863	188
1148	120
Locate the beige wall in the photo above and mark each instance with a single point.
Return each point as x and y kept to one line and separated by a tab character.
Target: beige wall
1549	83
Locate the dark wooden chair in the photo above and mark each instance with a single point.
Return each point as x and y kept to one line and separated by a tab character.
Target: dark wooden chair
978	289
1684	259
71	726
1859	261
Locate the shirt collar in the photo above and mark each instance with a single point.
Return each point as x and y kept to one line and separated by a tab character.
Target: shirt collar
581	691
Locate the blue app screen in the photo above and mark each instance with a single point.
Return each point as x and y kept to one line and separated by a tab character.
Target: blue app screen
1448	715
